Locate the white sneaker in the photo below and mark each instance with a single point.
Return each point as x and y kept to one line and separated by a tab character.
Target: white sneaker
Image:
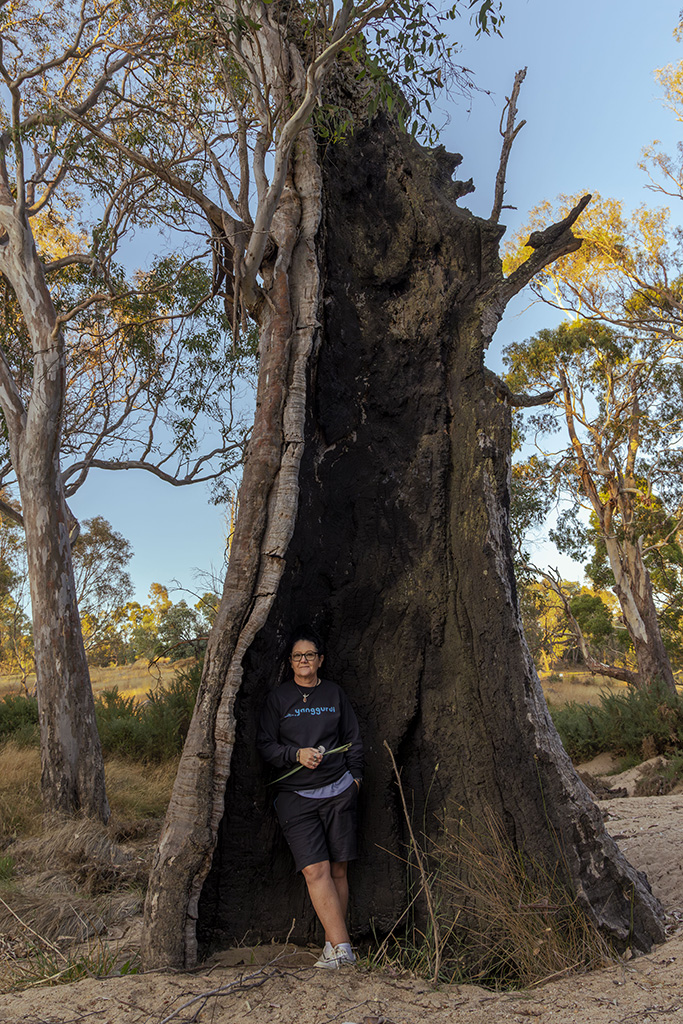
335	957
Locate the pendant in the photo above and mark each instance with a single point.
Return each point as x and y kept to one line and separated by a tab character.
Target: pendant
305	698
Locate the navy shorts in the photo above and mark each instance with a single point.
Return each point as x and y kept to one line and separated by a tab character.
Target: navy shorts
318	830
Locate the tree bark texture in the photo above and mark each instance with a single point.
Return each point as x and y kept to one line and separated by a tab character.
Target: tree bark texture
72	777
401	556
268	501
633	588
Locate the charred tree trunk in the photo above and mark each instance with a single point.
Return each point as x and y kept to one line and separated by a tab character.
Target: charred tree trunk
401	554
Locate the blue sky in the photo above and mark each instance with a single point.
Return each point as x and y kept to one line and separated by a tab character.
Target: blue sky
591	103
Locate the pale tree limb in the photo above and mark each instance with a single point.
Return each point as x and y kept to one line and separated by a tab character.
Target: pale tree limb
509	135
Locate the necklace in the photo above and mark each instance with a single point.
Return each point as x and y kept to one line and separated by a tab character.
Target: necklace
304	696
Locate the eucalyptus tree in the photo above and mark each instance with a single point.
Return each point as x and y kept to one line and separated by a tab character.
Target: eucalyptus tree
97	370
375	489
617	407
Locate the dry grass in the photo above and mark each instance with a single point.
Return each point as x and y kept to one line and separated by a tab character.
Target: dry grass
483	912
562	688
132	680
137	790
519	924
20	806
68	888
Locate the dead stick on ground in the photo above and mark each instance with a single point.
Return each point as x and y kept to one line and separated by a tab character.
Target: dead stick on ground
423	872
28	928
233	986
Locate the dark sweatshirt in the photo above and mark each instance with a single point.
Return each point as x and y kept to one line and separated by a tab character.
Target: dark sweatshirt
327	718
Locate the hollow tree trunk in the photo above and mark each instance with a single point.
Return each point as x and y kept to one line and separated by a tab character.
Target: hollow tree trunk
268	501
72	778
401	555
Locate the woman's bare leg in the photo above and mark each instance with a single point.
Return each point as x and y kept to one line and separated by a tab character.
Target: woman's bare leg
324	894
338	870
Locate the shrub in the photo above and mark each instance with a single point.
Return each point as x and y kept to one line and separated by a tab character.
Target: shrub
154	730
633	723
19	718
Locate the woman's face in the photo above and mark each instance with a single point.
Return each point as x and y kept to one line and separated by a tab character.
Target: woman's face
305	662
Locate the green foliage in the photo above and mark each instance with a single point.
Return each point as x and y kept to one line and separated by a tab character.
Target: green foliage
410	58
7	867
154	730
630	723
593	616
19	718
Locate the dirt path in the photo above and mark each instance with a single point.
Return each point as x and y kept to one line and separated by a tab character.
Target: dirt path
261	990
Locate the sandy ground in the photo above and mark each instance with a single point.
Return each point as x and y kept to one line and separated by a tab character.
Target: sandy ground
271	985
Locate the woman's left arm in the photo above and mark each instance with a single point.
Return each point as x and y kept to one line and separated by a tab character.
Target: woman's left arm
349	732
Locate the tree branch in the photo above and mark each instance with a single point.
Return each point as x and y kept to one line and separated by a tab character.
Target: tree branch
509	135
517	401
555	241
594	666
9	512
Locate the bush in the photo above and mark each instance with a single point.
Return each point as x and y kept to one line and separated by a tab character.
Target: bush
635	723
154	730
19	718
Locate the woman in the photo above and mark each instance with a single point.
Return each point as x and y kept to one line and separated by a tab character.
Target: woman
316	804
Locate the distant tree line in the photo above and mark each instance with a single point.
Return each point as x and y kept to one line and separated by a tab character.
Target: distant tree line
116	629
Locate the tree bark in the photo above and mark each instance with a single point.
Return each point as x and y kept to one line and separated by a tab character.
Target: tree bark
633	588
401	555
72	767
72	777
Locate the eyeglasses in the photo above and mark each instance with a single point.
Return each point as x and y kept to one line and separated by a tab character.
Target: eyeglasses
306	656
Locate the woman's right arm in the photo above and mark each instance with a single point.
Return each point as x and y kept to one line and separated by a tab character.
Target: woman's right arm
281	755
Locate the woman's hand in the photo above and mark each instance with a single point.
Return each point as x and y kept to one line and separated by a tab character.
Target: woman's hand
309	757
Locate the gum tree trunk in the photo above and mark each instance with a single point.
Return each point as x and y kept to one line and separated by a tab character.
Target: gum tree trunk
401	555
72	777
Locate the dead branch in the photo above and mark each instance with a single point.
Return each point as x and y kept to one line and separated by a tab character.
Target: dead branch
9	512
509	135
555	241
625	675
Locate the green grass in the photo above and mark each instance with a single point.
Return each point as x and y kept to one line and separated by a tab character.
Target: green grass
151	730
45	965
635	724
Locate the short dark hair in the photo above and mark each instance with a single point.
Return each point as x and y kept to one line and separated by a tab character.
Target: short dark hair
304	632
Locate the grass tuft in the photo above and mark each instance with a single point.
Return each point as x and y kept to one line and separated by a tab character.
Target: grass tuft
503	920
482	912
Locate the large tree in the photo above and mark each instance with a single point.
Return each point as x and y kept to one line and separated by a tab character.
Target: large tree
375	491
616	405
98	369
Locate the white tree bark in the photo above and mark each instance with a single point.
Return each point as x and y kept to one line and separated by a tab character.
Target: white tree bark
71	757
